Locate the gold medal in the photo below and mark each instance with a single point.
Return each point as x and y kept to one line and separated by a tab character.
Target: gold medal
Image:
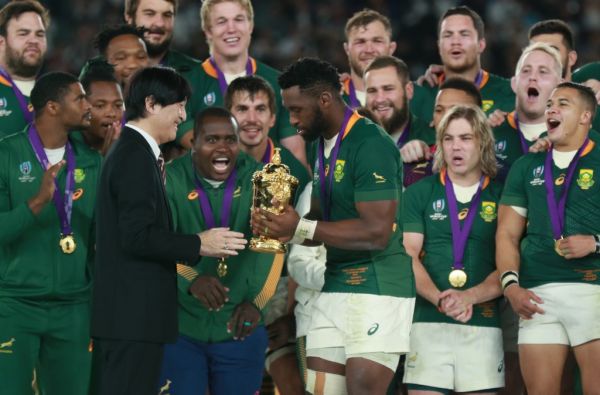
67	244
557	247
457	278
222	268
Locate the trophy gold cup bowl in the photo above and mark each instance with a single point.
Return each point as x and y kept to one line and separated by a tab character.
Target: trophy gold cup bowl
273	181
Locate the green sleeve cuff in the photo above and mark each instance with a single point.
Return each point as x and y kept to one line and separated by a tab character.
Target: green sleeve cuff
371	196
185	276
511	200
413	227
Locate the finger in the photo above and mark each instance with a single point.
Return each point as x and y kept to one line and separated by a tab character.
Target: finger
55	168
535	297
233	235
431	80
211	301
220	292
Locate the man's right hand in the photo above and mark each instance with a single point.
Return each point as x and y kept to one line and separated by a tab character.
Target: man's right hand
415	151
47	188
219	242
209	291
497	118
431	76
522	301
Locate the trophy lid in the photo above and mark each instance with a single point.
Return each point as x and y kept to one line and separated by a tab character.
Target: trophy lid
275	168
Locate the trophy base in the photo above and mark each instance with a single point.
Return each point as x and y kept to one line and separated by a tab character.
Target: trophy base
269	246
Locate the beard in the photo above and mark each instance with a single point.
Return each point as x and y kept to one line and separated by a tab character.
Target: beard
20	66
313	130
355	67
155	49
397	119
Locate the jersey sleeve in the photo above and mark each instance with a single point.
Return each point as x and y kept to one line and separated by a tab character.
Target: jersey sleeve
376	171
413	208
263	279
514	193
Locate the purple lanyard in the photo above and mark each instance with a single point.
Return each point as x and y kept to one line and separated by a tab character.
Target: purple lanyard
524	145
403	139
557	211
63	203
354	102
221	77
460	236
23	104
325	183
268	152
478	79
209	219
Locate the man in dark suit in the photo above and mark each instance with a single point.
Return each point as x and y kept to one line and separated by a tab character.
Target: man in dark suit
135	292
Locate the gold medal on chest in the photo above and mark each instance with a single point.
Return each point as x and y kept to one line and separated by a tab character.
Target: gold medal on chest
457	278
222	268
67	244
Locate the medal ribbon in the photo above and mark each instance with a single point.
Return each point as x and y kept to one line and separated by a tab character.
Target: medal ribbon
403	139
557	211
524	145
354	102
327	184
478	79
268	152
221	77
23	105
205	207
460	236
63	203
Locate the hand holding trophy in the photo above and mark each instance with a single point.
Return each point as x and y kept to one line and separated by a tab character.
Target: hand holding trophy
273	183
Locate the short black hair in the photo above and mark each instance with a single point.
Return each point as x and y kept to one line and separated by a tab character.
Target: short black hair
466	86
97	70
104	38
381	62
215	112
50	87
312	76
14	9
585	92
466	11
553	26
253	84
165	85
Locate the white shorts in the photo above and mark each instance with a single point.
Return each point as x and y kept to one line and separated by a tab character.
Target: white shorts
361	323
462	358
572	315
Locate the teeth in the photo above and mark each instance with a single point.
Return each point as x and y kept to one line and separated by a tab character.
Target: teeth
231	40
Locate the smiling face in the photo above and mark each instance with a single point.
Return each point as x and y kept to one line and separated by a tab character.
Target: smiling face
567	119
254	116
387	97
25	45
365	43
538	76
127	53
215	148
158	17
460	148
229	30
459	45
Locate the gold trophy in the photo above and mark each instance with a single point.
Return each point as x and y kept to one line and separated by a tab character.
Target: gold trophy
273	181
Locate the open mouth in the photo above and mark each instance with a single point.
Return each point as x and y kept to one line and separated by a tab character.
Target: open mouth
220	164
532	93
232	40
552	124
457	160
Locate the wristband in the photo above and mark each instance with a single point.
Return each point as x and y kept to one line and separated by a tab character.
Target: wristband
305	229
597	241
509	278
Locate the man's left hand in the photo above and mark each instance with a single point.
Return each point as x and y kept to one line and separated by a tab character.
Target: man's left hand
244	319
577	246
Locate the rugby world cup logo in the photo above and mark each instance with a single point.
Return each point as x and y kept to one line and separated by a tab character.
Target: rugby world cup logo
537	175
500	146
439	205
25	168
210	99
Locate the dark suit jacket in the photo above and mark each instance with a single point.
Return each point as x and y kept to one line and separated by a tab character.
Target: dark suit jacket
135	282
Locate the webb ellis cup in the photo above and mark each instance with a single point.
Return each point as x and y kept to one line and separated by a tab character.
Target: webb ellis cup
273	181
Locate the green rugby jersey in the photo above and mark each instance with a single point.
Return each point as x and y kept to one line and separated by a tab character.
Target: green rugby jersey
426	212
12	119
368	168
206	93
32	264
495	92
524	187
251	276
182	63
590	71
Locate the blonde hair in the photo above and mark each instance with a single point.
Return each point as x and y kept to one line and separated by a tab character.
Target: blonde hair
543	47
207	6
483	132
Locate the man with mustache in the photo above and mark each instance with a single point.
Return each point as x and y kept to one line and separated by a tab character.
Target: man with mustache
157	17
23	45
47	196
368	35
389	90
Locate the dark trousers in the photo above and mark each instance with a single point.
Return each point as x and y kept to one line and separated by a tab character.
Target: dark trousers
123	367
